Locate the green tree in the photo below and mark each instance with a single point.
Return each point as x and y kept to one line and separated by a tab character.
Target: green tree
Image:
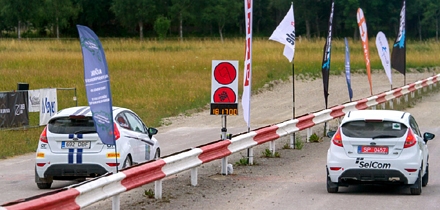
20	13
222	12
58	12
180	8
132	12
161	26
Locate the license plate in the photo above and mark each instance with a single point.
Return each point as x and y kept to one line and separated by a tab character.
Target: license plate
75	145
373	150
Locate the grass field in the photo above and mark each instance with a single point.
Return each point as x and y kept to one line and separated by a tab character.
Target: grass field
162	79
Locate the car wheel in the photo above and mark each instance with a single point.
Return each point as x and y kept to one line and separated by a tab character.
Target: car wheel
43	183
331	187
127	162
425	177
157	154
416	188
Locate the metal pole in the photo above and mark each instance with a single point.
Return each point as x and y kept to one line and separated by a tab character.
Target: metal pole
223	137
293	138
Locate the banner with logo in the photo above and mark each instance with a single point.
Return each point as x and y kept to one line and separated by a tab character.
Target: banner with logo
384	53
48	104
347	69
285	34
364	36
326	57
398	56
14	109
34	100
247	78
97	84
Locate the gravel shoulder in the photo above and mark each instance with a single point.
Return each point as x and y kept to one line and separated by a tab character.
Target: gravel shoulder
271	105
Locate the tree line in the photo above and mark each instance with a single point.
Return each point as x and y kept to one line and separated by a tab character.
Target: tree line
211	18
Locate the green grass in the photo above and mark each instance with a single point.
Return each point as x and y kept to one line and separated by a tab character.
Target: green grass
163	79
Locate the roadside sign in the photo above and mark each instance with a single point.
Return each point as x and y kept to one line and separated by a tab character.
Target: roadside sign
224	88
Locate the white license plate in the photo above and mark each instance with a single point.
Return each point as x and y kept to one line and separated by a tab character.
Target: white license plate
75	145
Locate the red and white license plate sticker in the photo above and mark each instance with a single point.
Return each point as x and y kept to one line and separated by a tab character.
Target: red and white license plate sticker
373	150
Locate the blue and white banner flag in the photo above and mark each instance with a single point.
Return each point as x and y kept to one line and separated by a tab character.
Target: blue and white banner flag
97	84
384	53
398	55
347	69
48	104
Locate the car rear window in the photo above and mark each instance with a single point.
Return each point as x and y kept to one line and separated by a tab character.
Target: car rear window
365	129
68	125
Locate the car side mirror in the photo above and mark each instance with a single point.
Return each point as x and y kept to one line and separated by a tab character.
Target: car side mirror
152	131
428	136
330	134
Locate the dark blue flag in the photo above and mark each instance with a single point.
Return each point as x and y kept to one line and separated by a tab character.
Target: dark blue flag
97	84
398	56
347	69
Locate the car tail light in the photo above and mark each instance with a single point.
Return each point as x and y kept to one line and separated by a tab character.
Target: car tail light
41	164
410	139
116	132
337	138
113	164
335	168
43	135
411	169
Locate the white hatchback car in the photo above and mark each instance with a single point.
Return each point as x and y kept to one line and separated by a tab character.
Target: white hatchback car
69	147
378	147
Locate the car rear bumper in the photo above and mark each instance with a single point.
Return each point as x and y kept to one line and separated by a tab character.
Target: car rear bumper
70	171
366	176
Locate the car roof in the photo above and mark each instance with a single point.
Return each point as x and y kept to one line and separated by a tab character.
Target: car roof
84	110
385	115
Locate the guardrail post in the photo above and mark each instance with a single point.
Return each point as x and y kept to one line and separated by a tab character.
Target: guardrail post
391	104
251	156
309	133
158	189
194	176
292	141
272	147
116	202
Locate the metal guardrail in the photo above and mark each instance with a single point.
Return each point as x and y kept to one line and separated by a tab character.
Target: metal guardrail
85	194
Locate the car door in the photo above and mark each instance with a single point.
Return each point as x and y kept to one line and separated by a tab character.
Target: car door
144	144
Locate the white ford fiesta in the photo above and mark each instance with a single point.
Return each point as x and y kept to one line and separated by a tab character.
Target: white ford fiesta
70	149
378	147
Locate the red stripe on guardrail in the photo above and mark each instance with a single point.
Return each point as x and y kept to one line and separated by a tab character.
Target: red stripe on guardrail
305	122
143	174
337	111
61	200
434	79
424	82
381	98
215	151
412	87
397	92
266	134
362	104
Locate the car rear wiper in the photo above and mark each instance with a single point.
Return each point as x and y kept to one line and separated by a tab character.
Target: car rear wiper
84	131
384	136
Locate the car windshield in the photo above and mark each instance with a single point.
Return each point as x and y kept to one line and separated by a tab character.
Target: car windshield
67	125
365	129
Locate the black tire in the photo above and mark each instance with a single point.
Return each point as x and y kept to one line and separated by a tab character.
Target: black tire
425	177
43	183
331	187
127	162
416	188
157	154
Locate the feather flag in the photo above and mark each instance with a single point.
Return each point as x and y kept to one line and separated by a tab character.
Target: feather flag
326	57
364	36
398	56
384	53
285	34
246	97
347	69
97	82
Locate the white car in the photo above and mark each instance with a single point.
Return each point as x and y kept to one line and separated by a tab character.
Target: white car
378	147
70	149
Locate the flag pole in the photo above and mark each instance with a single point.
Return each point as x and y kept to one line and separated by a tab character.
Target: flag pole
293	138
